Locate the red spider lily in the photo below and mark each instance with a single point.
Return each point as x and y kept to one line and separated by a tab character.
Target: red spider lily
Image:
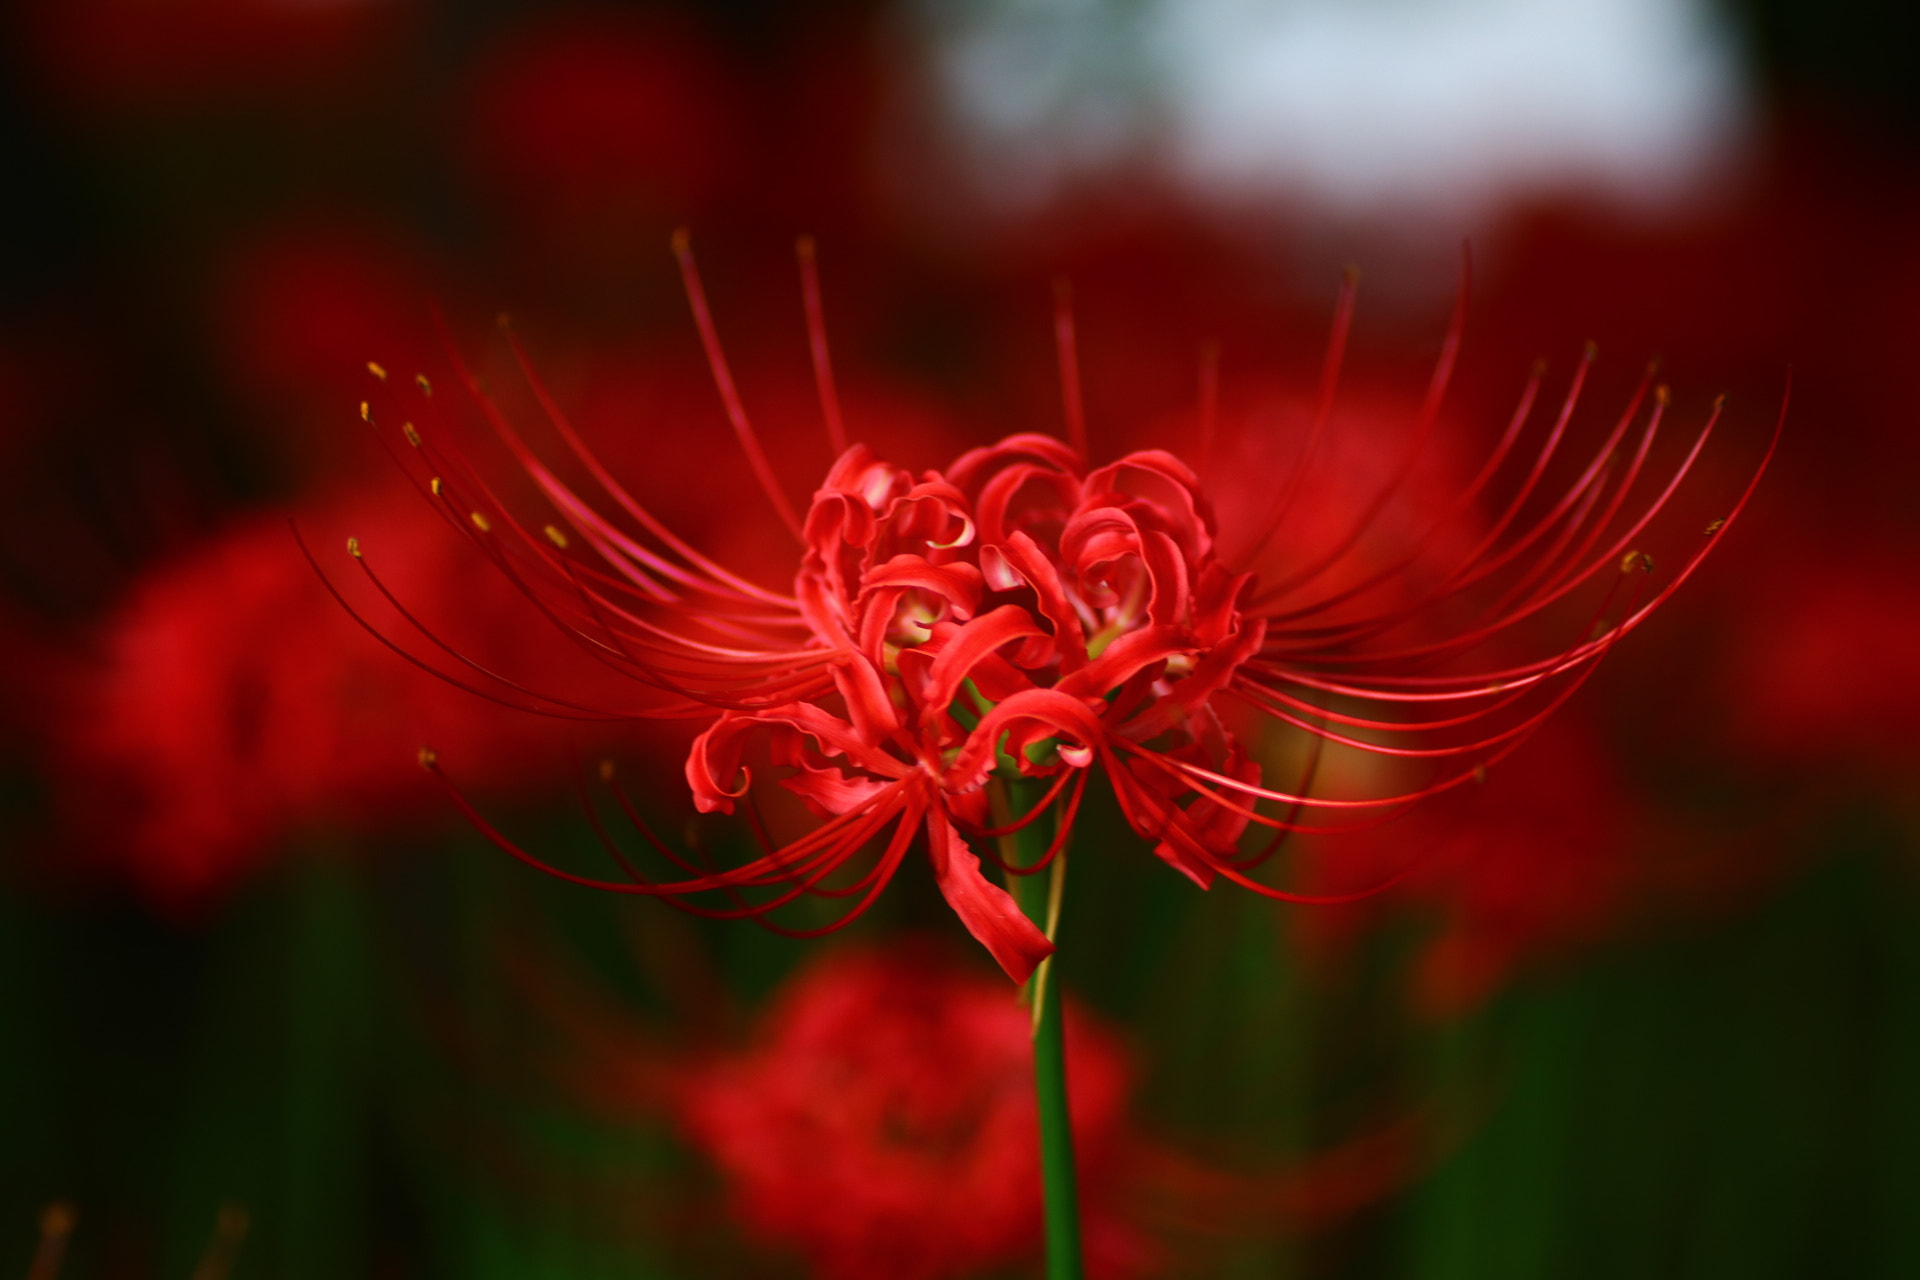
1024	614
883	1122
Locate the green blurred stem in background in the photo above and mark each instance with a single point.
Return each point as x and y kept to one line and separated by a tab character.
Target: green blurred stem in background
1039	896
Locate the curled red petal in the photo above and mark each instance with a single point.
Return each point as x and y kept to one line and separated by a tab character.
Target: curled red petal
714	761
967	647
1125	658
1054	712
1022	556
988	911
1028	446
958	584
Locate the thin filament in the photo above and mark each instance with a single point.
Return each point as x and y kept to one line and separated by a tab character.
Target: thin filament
723	380
1069	353
817	343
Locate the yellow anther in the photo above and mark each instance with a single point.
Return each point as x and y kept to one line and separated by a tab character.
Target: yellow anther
366	412
429	758
556	537
1720	402
1716	527
420	380
606	771
1480	773
413	437
681	240
1636	560
480	522
353	547
1663	395
434	485
58	1219
376	370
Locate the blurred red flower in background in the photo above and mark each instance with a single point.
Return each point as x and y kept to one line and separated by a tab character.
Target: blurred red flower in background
882	1123
1524	868
581	121
294	309
1824	675
1027	615
232	702
298	305
877	1117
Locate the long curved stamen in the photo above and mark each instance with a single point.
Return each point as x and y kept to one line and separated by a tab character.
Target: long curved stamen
659	675
1429	413
817	345
1461	503
1583	495
1067	349
723	380
1322	414
1315	753
774	869
1573	580
571	436
1062	832
1028	819
422	663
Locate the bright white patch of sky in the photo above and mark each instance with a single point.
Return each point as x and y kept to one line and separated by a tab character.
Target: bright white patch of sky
1347	105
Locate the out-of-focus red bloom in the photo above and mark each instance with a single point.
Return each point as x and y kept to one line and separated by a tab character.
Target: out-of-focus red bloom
882	1123
604	116
233	701
292	311
1525	867
1024	614
1826	673
877	1118
296	306
1404	552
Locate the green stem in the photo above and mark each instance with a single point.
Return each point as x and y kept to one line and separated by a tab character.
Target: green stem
1039	896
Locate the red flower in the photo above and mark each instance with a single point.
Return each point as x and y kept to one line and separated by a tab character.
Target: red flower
883	1123
1023	614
